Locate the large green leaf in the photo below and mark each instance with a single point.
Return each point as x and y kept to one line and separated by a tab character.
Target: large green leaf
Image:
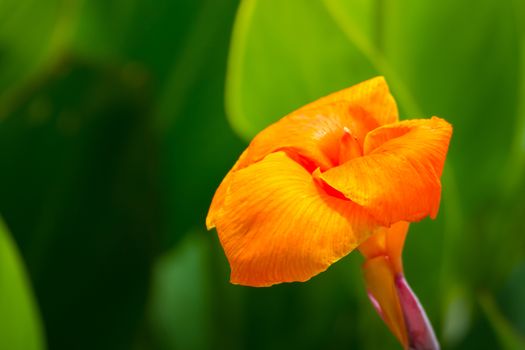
20	327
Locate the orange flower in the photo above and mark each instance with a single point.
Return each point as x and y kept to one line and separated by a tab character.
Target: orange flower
337	174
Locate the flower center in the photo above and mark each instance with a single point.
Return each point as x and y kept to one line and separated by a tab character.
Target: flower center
349	147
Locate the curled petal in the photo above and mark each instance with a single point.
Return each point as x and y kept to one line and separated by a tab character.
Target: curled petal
312	133
428	137
398	177
371	97
276	224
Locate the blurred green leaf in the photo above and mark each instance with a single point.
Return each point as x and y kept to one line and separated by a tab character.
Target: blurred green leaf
20	327
197	144
511	298
181	46
515	166
508	337
79	160
32	35
181	287
171	40
457	319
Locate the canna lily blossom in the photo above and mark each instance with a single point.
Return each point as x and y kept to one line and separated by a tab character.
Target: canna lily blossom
337	174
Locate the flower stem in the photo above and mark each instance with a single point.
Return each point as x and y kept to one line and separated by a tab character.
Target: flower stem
421	335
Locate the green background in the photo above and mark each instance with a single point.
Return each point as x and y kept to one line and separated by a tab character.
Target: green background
118	119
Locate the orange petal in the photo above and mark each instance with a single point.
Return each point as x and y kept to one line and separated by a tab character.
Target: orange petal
313	132
398	178
313	135
371	97
277	225
387	241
